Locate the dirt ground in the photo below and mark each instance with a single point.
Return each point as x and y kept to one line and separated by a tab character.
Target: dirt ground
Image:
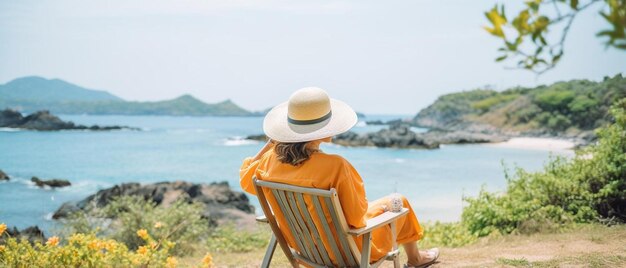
589	246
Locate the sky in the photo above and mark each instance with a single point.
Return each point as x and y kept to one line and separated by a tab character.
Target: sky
381	57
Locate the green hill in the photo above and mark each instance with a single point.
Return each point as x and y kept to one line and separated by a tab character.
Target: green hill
564	108
30	94
39	89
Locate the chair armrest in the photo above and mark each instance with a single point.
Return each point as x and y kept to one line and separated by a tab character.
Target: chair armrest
379	221
262	218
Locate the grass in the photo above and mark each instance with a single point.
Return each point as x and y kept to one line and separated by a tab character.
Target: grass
589	245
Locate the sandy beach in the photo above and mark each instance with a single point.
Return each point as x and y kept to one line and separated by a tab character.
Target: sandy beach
536	144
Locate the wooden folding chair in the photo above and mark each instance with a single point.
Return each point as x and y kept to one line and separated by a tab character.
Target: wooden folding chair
308	237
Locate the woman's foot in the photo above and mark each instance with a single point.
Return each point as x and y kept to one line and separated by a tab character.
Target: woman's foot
427	257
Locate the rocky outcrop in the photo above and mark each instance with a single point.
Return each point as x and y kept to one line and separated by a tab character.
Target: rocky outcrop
396	136
461	137
44	120
54	183
32	234
4	176
259	137
399	135
221	203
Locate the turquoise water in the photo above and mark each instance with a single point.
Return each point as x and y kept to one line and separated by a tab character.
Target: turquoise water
201	149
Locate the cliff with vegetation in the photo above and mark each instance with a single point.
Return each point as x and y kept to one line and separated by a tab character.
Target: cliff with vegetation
567	109
29	94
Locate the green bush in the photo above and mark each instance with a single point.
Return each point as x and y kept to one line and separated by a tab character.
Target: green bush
179	222
590	187
554	100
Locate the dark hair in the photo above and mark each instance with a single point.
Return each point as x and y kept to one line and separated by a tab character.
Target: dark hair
293	153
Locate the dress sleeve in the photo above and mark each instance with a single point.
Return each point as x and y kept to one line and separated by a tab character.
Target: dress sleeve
246	173
351	193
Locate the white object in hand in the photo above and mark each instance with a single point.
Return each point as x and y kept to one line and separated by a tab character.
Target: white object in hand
396	202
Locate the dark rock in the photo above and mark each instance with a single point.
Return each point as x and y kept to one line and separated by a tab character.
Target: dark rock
10	118
43	120
259	137
462	137
375	122
54	183
32	234
222	204
397	136
4	176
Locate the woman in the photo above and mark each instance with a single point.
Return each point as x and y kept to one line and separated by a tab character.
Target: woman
296	128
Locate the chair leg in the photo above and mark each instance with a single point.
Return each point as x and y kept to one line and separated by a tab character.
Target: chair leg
365	250
396	260
269	252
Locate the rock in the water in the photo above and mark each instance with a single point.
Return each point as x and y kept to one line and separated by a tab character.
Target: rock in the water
4	176
54	183
222	204
44	120
259	137
462	137
32	234
397	136
10	118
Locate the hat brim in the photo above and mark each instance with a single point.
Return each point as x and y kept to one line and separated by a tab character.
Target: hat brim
277	127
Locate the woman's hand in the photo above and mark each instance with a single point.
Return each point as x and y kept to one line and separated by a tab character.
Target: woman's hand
263	150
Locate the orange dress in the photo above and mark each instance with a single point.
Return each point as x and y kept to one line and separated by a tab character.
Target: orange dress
326	171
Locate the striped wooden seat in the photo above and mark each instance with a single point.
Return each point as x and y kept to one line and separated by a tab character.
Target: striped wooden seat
310	248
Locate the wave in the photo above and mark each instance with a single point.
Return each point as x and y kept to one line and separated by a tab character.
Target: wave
239	141
10	129
82	186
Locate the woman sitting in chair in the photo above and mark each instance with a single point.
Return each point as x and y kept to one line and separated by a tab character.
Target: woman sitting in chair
292	156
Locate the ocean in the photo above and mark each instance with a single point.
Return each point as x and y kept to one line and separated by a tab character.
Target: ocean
210	149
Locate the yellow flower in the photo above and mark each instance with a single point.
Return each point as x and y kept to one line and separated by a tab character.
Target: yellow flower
2	247
153	245
94	245
143	234
207	260
3	228
171	262
52	241
158	225
142	250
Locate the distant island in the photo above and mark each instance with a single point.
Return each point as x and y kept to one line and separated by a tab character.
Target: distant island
572	109
45	121
33	93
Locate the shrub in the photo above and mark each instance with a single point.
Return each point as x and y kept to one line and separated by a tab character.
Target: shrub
180	222
86	250
554	99
446	235
589	187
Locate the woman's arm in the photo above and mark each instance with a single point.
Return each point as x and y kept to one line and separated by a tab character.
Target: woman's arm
249	167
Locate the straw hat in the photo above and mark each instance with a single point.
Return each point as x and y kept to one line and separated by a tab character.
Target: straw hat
308	115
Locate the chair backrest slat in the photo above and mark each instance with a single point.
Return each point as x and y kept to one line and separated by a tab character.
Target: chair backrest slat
314	233
305	230
352	261
329	234
309	237
291	221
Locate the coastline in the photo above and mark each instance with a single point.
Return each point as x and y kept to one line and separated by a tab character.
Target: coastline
534	143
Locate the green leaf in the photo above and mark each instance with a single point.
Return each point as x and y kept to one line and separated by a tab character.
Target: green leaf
501	58
574	4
